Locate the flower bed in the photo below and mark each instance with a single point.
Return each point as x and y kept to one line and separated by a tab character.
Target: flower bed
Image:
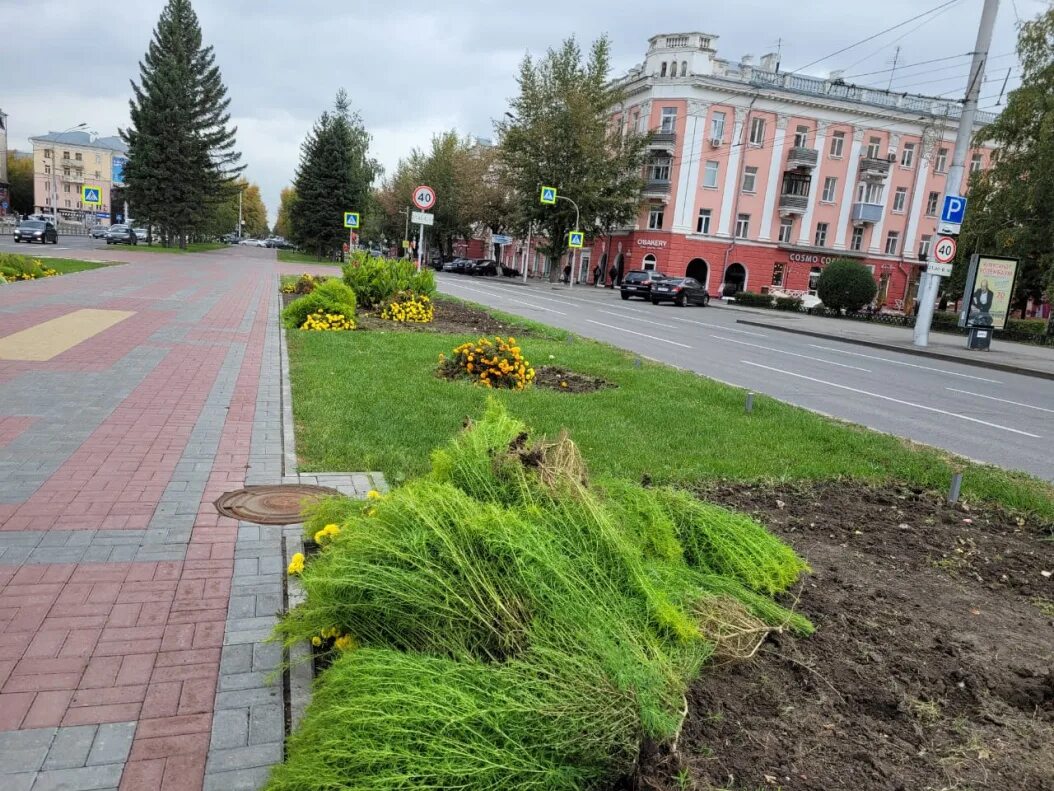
14	267
491	362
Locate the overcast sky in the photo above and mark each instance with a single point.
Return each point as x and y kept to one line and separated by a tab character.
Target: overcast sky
413	68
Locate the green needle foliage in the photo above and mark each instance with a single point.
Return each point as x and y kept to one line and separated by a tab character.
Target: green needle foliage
520	629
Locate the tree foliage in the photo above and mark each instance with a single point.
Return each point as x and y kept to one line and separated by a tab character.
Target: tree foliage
846	284
283	224
1012	203
20	182
254	214
334	176
560	134
182	160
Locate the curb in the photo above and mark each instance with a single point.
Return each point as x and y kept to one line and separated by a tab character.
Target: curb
1012	369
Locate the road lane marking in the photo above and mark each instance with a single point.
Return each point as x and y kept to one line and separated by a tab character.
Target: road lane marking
792	354
525	304
908	365
894	400
642	321
641	334
1003	400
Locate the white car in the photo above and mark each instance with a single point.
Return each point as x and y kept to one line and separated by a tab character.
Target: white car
808	301
140	234
253	243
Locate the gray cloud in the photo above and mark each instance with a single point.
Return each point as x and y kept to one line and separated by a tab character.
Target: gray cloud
414	68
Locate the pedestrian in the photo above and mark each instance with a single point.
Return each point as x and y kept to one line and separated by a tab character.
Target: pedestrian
567	274
597	274
612	274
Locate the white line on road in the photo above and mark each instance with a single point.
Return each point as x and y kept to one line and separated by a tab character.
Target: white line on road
525	304
641	334
718	327
1003	400
908	365
792	354
894	400
633	318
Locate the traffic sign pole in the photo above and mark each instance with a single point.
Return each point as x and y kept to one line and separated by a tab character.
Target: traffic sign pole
929	284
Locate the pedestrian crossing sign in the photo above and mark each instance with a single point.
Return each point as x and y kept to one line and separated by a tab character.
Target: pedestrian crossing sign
351	219
576	240
549	195
91	195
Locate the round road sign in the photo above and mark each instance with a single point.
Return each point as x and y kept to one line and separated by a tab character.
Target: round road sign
944	250
424	198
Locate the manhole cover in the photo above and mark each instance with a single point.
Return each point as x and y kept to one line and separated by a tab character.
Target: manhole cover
271	505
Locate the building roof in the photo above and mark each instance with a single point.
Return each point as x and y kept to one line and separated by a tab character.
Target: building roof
112	143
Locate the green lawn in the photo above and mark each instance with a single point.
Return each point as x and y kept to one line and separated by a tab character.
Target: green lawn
195	247
69	265
371	401
296	257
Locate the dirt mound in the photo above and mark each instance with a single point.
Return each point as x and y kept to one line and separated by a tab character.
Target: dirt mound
931	667
556	378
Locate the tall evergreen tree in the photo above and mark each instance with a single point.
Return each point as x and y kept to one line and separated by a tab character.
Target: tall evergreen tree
334	176
182	160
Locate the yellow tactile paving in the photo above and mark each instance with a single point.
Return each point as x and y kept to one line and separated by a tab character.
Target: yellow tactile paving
51	338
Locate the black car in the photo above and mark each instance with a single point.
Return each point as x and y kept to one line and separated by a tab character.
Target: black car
639	283
483	266
36	231
458	266
122	234
680	291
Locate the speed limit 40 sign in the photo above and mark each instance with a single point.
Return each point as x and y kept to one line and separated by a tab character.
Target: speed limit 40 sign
424	197
944	250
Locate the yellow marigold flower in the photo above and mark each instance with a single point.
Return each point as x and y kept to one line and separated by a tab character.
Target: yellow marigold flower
296	563
316	641
344	643
373	494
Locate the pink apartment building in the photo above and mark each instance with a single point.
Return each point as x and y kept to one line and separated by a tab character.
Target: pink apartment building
757	178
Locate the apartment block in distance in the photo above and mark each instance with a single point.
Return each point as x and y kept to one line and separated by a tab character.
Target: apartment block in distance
758	178
64	162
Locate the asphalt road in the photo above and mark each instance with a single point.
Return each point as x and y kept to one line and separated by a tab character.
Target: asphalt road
66	247
1001	418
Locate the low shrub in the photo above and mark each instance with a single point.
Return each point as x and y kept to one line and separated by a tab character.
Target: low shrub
491	362
330	297
752	300
21	267
376	281
304	284
1037	327
410	308
788	303
846	285
328	322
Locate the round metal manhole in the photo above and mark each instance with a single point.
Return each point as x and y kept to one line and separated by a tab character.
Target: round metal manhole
271	505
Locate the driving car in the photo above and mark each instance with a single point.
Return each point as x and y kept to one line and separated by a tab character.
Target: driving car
140	234
36	231
680	291
121	234
98	232
638	283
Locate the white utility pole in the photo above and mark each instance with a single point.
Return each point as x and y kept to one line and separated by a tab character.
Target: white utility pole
240	213
929	284
527	254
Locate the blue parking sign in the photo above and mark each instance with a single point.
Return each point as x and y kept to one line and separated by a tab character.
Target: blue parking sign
954	210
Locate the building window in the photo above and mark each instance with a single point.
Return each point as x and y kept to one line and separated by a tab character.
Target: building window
757	132
659	170
649	263
750	179
830	188
684	68
65	154
924	247
801	137
662	71
837	144
821	234
710	175
874	146
786	229
796	184
669	119
814	277
742	226
97	174
870	193
717	126
655	219
857	241
65	171
67	204
900	198
777	274
932	202
942	161
907	157
976	162
66	188
47	170
892	242
702	225
47	153
78	157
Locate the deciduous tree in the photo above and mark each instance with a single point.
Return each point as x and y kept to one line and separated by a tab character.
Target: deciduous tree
283	226
20	181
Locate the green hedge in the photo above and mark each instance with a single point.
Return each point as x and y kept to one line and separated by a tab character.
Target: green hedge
332	296
376	281
752	300
788	303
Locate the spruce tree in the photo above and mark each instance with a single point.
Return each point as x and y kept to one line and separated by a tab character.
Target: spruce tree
182	160
334	176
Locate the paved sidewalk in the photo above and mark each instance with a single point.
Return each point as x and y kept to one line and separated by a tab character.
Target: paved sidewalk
132	616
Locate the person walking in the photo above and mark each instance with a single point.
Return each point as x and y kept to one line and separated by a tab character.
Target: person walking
612	274
567	274
597	274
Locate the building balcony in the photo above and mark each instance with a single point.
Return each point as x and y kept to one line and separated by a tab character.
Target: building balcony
793	204
802	157
874	169
867	213
659	188
663	141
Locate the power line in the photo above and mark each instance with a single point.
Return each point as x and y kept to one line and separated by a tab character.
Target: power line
902	36
906	66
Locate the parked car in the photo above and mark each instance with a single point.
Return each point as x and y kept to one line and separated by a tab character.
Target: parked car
508	271
282	244
680	291
141	234
121	234
639	283
457	265
36	231
230	238
483	267
253	243
98	232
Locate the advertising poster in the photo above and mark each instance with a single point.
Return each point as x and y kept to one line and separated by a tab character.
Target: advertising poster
991	292
118	171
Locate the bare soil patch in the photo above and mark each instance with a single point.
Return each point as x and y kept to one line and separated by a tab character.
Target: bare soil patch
932	666
553	377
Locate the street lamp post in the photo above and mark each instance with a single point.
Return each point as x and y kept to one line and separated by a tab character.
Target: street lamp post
578	217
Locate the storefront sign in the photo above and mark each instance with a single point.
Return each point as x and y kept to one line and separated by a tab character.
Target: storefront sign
809	258
651	243
989	289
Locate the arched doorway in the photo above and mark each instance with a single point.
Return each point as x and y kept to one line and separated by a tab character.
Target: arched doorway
699	270
620	265
735	280
649	263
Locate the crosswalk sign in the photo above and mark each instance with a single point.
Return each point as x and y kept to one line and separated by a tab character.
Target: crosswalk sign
91	195
549	195
576	240
351	219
